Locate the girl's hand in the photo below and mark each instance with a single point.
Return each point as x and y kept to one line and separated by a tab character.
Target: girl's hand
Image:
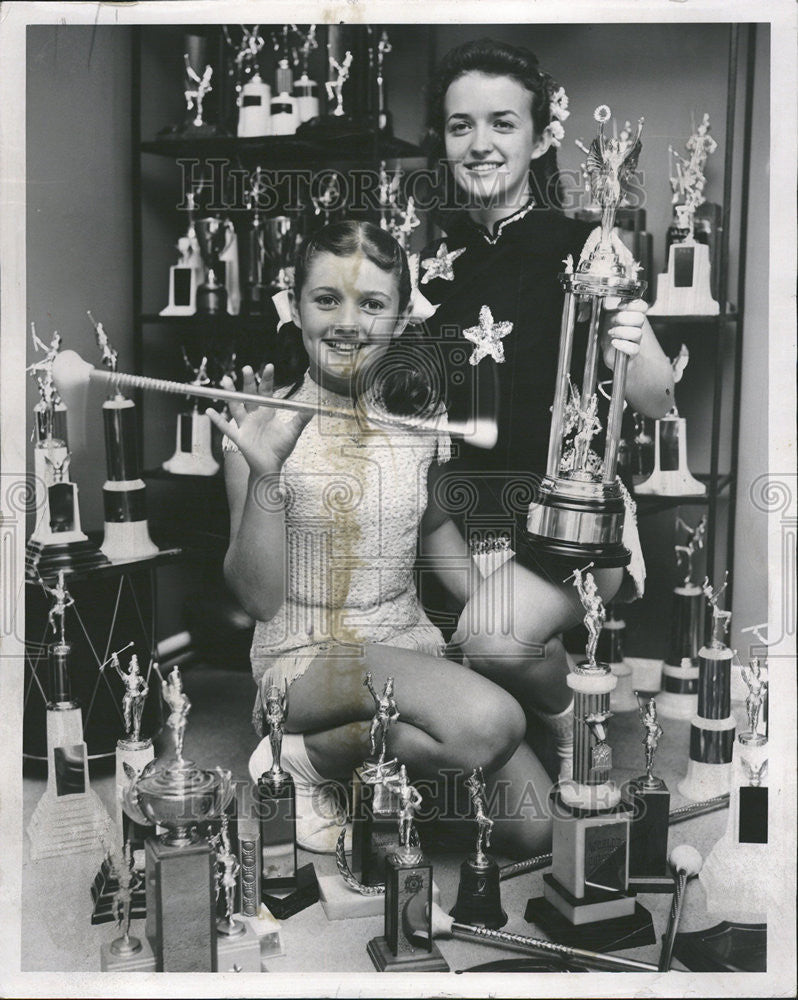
622	328
264	442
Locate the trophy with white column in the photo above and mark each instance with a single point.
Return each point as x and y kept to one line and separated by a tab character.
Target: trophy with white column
679	696
193	455
187	275
581	507
684	290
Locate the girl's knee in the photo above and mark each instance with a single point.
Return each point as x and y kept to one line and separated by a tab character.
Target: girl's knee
490	732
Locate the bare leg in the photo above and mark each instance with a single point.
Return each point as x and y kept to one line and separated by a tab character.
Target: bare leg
510	628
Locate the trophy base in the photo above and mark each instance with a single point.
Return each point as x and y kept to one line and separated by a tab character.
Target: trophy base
705	781
45	560
684	289
339	902
634	929
124	541
420	961
241	954
478	899
678	483
142	960
68	824
678	698
285	903
579	522
622	697
648	836
187	463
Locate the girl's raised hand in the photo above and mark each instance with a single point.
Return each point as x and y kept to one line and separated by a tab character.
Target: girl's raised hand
263	441
622	328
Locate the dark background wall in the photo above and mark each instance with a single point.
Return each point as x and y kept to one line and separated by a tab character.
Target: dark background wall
79	212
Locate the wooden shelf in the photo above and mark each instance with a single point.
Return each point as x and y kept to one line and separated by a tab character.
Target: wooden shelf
286	150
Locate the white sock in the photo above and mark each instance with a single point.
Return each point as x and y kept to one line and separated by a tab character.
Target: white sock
560	726
293	758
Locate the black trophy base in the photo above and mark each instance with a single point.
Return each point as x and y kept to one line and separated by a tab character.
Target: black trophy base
727	947
46	561
634	930
602	556
285	903
648	834
104	888
420	961
478	899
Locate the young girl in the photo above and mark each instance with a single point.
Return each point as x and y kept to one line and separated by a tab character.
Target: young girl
496	118
325	514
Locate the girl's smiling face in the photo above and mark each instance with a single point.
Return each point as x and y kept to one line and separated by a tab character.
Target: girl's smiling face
348	312
490	139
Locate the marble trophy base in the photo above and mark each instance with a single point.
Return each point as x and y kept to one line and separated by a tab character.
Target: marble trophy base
705	781
684	289
681	701
634	930
284	903
192	455
45	559
127	540
266	928
670	476
339	902
241	954
183	282
622	697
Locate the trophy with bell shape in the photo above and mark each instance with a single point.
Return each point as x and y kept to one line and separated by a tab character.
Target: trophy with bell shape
712	727
127	533
670	475
579	513
57	541
586	897
679	696
69	817
193	455
478	897
684	290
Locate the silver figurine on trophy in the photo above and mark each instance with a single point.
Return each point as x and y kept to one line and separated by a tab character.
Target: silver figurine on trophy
228	868
335	88
197	87
582	505
650	800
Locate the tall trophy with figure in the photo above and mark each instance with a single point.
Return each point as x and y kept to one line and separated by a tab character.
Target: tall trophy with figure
218	245
679	696
586	897
684	289
188	273
193	456
712	727
582	503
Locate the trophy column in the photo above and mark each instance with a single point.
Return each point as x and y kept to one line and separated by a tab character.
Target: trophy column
69	817
712	727
192	455
610	650
586	897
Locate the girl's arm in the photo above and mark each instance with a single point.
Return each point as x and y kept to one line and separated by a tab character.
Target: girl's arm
649	376
442	545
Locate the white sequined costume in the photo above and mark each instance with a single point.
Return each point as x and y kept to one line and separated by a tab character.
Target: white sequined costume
354	497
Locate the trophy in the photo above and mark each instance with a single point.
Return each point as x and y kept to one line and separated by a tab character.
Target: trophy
733	872
175	794
57	541
399	222
115	957
478	898
712	727
408	878
306	90
192	455
384	123
219	249
649	798
327	200
586	896
335	88
253	95
197	87
580	510
610	651
69	817
127	534
187	275
679	696
285	889
642	447
271	245
684	290
670	475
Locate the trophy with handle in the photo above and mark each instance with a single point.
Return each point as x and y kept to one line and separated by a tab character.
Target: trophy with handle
218	247
581	507
679	696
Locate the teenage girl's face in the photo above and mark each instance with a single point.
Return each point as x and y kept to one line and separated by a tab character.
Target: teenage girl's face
348	311
490	138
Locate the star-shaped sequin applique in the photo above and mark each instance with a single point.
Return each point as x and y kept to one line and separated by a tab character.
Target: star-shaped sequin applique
440	266
487	337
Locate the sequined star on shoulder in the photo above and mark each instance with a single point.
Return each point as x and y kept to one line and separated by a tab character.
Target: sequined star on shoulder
440	266
487	337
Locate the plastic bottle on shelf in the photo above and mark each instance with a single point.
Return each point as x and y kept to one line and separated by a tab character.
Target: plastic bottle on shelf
284	113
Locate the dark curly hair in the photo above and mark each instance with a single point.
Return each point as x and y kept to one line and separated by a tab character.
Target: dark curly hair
404	382
484	55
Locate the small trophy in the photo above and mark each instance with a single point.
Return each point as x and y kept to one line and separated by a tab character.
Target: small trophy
197	87
193	455
57	541
253	95
408	879
679	696
642	447
649	798
478	897
384	123
374	802
732	873
69	817
327	200
127	534
228	868
610	650
176	795
399	222
586	896
188	274
218	247
581	508
712	727
306	90
123	953
335	88
684	290
285	889
670	475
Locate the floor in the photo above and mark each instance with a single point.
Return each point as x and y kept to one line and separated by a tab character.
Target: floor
57	934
